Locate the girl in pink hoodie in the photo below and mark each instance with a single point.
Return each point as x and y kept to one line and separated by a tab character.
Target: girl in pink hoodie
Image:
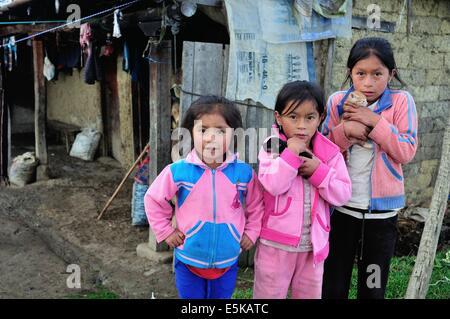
303	174
219	203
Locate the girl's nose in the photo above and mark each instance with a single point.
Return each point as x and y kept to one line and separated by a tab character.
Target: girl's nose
368	82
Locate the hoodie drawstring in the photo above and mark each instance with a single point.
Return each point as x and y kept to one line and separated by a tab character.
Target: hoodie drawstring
362	236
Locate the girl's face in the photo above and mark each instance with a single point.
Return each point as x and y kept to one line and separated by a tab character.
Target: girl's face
302	122
212	136
371	77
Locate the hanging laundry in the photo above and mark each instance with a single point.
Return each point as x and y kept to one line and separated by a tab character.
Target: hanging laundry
85	37
9	52
49	69
57	6
67	57
126	57
108	48
133	61
117	16
92	69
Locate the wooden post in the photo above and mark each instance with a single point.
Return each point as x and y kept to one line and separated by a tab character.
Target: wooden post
421	275
160	119
40	115
328	76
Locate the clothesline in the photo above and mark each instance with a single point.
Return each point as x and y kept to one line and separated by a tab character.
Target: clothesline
76	21
30	22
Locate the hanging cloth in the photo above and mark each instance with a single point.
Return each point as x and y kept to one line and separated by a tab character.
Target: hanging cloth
117	15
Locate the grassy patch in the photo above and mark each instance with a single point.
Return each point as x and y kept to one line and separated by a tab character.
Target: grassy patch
95	294
401	269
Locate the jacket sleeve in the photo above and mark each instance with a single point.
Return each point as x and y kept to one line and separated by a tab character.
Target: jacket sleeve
332	127
157	206
399	139
277	173
254	209
333	181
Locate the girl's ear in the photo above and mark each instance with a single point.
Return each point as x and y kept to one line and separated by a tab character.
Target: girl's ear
393	73
277	118
322	117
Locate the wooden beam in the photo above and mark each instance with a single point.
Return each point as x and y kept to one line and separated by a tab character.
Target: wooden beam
40	115
421	275
25	28
160	119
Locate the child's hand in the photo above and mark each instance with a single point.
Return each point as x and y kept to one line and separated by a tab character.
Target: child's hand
296	145
356	130
175	239
362	115
309	166
246	243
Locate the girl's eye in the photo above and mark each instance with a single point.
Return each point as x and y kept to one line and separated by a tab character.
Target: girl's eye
359	73
378	74
311	117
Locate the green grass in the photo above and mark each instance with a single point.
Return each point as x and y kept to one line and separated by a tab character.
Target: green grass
401	269
96	294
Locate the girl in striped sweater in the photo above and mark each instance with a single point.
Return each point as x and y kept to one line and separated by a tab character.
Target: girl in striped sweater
378	139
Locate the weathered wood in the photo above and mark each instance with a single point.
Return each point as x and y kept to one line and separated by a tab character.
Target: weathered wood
160	119
328	76
40	115
203	67
25	28
423	268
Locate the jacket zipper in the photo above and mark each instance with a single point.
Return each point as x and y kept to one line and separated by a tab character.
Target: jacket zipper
214	237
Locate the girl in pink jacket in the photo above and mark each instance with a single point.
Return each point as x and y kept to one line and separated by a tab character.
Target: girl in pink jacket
303	174
219	203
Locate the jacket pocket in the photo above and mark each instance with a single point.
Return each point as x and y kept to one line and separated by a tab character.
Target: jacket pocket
196	228
228	243
390	168
277	212
197	242
325	226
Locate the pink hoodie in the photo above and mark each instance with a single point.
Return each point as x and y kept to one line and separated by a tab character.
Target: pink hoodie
283	196
214	208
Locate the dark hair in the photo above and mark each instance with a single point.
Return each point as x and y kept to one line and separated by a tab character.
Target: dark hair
366	47
209	105
300	91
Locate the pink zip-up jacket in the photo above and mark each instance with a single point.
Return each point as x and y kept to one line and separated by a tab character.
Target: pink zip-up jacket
214	208
283	195
395	143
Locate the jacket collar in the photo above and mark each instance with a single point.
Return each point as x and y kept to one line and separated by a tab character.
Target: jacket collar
384	102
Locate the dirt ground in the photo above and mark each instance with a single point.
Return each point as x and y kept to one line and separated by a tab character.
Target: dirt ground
63	213
29	269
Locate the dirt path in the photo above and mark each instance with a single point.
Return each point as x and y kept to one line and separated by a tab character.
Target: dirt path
28	268
63	211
